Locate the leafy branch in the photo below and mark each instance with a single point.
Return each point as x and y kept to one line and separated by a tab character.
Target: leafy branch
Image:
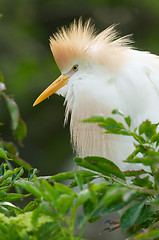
53	212
8	150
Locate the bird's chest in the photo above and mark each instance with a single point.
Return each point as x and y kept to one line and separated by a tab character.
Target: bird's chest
88	138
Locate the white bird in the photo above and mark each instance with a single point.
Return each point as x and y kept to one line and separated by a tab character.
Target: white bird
101	72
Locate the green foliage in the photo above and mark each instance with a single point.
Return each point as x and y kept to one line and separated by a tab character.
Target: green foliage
8	150
53	212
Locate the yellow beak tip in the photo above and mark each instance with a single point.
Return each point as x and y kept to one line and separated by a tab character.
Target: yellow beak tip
57	84
35	103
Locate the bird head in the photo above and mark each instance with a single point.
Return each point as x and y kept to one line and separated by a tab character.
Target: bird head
83	56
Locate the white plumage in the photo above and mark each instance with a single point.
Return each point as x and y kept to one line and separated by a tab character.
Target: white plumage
101	73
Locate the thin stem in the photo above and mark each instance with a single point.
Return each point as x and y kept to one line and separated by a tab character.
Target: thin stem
73	217
61	227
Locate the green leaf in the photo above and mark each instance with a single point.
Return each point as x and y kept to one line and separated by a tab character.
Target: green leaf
130	216
7	174
47	230
64	203
85	181
142	148
31	206
2	169
46	209
143	182
63	189
13	197
79	179
153	234
83	196
132	173
148	128
149	159
4	211
3	195
88	207
100	187
112	208
21	130
18	174
118	112
113	196
146	212
36	215
70	175
43	208
118	132
138	138
13	110
128	121
134	153
62	176
110	123
155	138
28	186
31	173
10	206
3	154
94	119
101	165
94	219
50	193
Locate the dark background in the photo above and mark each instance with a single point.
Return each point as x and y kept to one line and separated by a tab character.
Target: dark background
28	67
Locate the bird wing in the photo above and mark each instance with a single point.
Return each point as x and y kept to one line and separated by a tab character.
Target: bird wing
150	63
152	71
138	86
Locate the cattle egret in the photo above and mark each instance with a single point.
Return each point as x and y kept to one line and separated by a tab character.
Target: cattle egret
101	72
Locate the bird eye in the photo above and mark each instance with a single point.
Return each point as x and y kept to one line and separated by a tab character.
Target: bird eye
75	68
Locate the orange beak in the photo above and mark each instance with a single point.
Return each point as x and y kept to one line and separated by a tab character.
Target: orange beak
56	85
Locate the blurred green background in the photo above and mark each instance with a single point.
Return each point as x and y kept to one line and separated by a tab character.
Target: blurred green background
28	67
